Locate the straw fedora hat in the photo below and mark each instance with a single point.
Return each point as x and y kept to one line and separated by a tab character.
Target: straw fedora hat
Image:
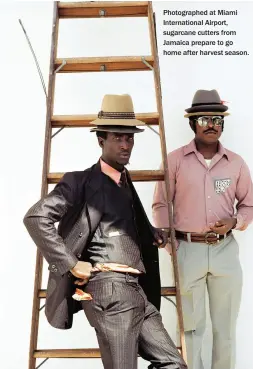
117	115
206	102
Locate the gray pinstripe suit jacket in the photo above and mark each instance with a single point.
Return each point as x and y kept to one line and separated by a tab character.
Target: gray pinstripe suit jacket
76	203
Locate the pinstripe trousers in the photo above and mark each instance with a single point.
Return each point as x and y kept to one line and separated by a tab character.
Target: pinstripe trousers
126	324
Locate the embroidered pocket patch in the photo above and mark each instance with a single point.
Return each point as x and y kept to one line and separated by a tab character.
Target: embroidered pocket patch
220	185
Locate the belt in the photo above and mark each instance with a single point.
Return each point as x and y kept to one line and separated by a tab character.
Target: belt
114	267
210	238
81	295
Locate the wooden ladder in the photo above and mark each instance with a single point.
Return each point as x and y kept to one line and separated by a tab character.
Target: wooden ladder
91	64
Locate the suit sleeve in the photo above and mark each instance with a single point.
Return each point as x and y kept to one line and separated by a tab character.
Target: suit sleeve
40	222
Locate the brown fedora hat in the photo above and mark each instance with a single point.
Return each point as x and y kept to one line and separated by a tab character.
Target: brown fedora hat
117	115
206	102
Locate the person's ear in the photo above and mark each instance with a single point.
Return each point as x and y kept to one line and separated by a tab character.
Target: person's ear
191	124
101	142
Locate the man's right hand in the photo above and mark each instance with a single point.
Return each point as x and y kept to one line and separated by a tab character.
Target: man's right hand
82	271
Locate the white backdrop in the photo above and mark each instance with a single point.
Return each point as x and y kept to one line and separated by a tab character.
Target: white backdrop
22	139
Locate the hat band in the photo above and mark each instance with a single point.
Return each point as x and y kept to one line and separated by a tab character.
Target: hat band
214	103
115	115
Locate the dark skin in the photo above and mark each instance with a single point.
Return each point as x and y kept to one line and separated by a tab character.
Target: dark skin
116	151
207	143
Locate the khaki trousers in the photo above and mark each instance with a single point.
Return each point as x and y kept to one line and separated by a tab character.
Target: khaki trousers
215	268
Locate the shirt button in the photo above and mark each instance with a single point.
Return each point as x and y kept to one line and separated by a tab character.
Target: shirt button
209	197
80	234
78	256
209	210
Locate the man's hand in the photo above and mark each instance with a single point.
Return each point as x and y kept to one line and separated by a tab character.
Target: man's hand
161	237
224	225
168	247
82	271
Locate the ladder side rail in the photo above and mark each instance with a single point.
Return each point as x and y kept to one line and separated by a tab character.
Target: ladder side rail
158	92
44	188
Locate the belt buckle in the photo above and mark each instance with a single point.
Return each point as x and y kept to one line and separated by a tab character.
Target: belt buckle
211	242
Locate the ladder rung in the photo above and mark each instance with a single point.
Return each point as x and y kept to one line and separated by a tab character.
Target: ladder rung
165	291
168	291
84	120
91	353
136	176
67	353
93	9
42	294
105	64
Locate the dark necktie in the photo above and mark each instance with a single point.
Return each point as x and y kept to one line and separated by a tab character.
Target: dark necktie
124	184
123	180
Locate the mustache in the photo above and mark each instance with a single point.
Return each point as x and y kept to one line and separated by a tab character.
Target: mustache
210	130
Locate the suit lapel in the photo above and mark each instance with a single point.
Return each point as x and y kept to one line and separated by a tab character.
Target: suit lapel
94	204
139	207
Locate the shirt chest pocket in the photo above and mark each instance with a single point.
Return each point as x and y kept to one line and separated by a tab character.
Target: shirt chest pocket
221	185
225	187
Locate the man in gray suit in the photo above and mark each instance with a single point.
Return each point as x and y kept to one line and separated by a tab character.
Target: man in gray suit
106	245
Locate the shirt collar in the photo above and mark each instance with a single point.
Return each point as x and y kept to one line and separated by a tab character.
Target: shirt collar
191	147
111	172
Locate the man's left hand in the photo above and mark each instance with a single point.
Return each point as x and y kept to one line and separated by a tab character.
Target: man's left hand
161	237
224	225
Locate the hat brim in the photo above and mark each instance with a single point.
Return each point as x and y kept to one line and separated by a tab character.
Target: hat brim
214	107
117	122
117	129
206	113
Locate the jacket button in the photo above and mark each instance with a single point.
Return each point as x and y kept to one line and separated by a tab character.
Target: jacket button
80	234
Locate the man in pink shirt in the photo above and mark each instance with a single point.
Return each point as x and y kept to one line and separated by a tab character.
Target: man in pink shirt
206	180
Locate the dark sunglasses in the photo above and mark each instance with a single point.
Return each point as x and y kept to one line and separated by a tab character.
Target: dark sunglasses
216	120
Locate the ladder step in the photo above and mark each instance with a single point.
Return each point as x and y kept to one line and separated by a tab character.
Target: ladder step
97	9
42	294
91	353
168	291
136	176
104	64
67	353
165	291
84	120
